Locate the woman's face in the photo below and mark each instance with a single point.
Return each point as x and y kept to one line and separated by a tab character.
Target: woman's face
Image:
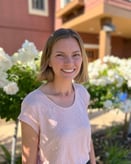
66	59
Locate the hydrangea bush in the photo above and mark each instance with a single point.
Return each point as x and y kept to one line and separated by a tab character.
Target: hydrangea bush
18	76
110	83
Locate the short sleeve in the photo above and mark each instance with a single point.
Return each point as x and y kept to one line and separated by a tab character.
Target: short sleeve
29	115
84	94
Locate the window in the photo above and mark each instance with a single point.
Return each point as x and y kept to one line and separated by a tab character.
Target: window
92	54
64	2
38	7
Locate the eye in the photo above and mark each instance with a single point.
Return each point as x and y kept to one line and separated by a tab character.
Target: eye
59	55
77	55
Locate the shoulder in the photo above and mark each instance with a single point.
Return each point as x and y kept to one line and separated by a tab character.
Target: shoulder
35	101
82	93
32	97
30	110
32	104
81	89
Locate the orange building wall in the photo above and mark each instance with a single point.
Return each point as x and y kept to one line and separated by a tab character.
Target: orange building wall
121	47
16	25
117	46
90	38
127	48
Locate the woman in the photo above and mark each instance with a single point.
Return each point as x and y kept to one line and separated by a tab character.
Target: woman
54	120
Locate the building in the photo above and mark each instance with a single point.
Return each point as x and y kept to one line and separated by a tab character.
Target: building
105	25
25	19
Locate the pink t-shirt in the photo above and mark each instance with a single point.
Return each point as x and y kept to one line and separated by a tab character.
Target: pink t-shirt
64	132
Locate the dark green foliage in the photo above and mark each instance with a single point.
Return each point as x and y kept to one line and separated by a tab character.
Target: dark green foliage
7	156
111	147
99	94
25	77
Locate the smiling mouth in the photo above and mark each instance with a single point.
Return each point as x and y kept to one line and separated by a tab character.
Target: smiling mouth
68	70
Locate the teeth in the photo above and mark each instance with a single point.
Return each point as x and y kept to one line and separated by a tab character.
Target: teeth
71	70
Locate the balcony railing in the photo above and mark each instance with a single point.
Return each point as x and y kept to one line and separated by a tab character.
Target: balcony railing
70	7
76	8
125	4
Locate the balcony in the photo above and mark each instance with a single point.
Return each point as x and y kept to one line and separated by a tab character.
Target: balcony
124	4
71	10
85	16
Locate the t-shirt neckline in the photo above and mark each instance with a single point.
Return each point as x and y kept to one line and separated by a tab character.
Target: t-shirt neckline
55	104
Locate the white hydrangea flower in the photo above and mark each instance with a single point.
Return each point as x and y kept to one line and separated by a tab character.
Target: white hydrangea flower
3	82
3	75
103	66
5	61
15	58
111	59
111	79
129	83
111	73
126	106
93	81
32	65
108	104
11	88
125	69
103	81
3	79
28	52
120	81
93	75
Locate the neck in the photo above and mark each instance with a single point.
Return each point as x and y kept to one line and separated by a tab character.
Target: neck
62	89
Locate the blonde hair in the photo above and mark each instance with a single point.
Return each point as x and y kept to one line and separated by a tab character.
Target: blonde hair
46	72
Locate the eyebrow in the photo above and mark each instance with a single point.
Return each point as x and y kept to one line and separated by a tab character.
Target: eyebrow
73	51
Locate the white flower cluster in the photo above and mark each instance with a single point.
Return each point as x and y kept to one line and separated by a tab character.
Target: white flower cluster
115	72
5	61
125	69
26	56
102	74
11	88
5	65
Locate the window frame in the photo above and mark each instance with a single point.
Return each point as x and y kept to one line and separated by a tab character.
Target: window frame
40	12
64	3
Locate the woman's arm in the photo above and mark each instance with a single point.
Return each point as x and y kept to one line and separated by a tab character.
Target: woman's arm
29	144
92	154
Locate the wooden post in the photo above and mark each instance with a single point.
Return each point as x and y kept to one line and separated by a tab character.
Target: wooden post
104	39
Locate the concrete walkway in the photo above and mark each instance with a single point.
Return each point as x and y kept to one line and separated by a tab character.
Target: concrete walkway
103	119
99	120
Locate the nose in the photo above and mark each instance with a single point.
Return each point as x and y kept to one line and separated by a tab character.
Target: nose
68	60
